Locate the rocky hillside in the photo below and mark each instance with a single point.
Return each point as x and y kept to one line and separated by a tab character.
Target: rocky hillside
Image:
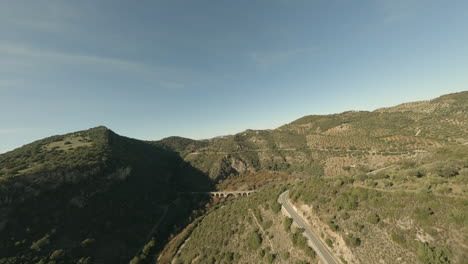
415	211
332	144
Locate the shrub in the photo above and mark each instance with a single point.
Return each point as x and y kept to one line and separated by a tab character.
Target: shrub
423	214
373	219
445	169
309	252
135	260
458	216
333	226
388	184
84	260
268	224
211	260
344	215
343	260
285	255
418	173
346	201
87	242
361	177
275	207
352	241
228	257
261	253
147	248
254	241
294	237
379	175
372	183
444	189
39	244
57	254
407	163
271	258
329	242
287	223
431	255
399	238
300	241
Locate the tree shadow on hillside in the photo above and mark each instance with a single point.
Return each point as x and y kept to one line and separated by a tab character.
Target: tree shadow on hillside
114	216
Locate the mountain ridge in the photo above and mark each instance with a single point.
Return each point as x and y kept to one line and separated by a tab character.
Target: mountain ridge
107	183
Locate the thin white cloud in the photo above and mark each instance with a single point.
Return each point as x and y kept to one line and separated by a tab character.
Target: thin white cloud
50	16
38	24
396	11
45	56
265	59
22	57
25	57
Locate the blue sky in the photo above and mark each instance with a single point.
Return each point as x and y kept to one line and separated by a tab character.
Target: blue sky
151	69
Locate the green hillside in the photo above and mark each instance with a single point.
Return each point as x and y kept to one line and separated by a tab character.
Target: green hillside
88	193
80	149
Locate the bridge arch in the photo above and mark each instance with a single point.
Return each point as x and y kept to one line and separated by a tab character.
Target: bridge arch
231	193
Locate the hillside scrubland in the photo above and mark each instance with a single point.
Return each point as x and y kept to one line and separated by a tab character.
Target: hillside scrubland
387	186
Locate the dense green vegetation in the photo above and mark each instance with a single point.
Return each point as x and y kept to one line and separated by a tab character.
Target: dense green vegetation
79	204
89	148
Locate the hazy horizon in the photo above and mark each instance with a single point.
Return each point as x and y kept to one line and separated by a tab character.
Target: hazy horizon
219	135
154	69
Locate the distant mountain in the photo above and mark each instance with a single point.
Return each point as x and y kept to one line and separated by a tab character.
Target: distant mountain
450	103
332	144
395	189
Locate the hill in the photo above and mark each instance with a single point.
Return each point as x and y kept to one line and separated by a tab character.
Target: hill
332	144
413	212
85	194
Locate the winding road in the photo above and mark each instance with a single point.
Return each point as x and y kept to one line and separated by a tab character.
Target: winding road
323	252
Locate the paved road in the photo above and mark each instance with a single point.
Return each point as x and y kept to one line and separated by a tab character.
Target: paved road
317	244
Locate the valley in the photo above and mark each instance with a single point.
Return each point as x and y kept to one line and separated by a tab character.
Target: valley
387	186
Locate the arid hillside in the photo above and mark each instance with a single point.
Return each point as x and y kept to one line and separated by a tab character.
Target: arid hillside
333	144
415	211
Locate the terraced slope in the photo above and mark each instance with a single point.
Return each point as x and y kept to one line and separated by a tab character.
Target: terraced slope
332	144
413	212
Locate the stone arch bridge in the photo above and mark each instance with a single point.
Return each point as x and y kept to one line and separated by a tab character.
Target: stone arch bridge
228	193
231	193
